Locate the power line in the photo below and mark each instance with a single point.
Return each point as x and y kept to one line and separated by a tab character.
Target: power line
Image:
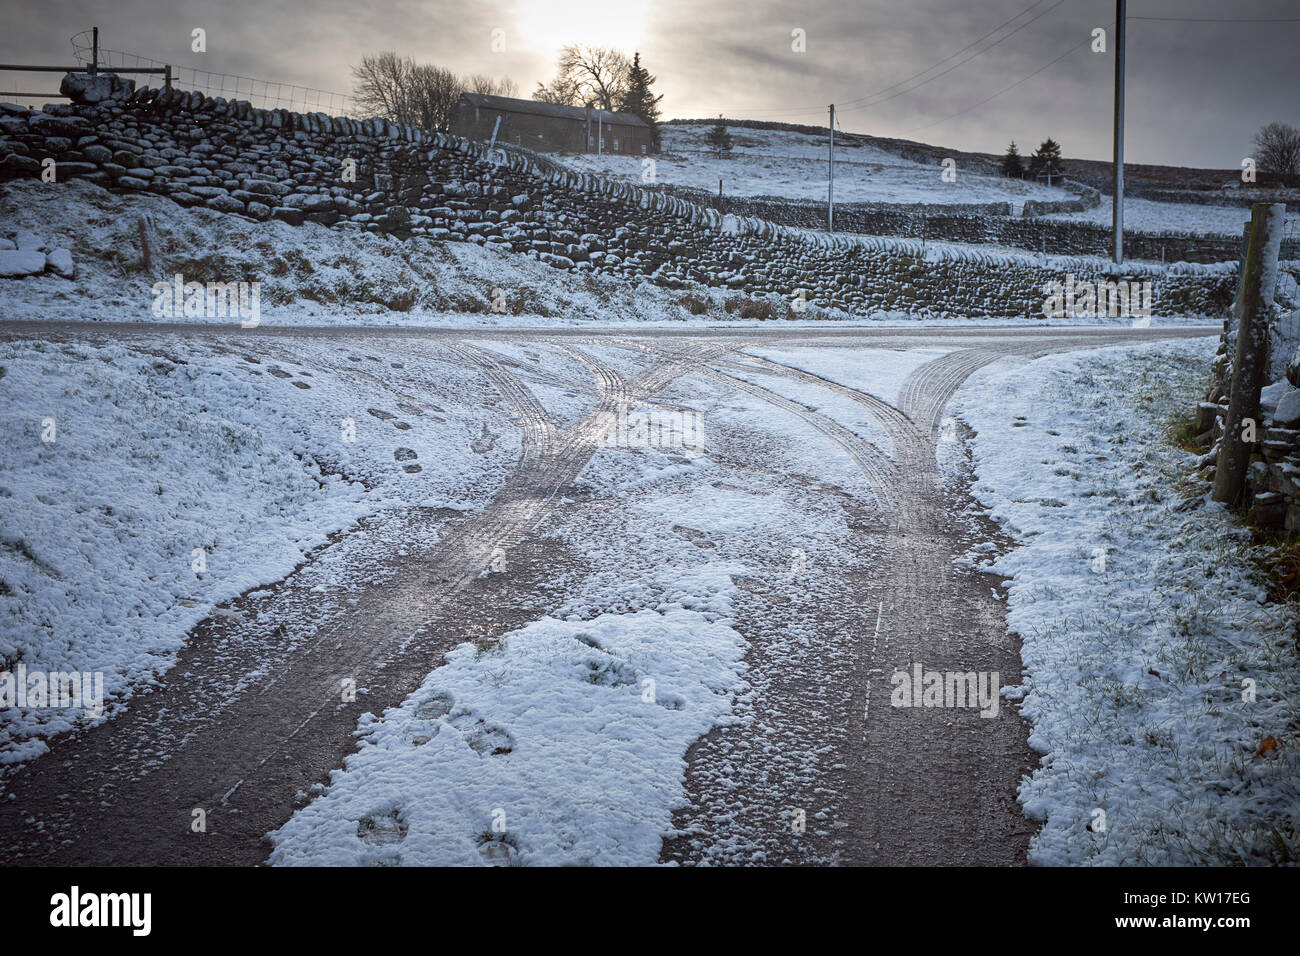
955	65
975	42
851	103
1075	48
1220	19
1072	49
1024	79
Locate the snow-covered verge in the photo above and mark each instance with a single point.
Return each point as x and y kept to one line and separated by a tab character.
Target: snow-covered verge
308	274
142	486
1160	683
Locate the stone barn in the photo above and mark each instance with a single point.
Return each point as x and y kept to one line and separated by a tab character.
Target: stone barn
549	127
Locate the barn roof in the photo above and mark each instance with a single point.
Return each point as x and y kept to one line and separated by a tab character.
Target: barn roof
510	104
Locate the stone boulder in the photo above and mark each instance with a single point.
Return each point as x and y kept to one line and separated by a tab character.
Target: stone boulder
59	261
1283	345
18	263
29	240
14	166
1287	413
85	88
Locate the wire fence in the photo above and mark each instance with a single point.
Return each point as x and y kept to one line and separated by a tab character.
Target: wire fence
266	94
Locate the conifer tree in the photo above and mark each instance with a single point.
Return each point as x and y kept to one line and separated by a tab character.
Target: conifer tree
1046	161
1012	165
639	100
719	138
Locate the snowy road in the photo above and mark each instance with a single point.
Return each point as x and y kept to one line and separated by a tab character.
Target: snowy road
813	543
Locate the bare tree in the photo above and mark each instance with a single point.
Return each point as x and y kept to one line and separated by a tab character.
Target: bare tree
399	89
432	93
489	86
562	90
594	75
1277	148
600	71
380	84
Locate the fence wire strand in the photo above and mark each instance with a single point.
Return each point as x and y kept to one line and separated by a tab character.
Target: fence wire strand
266	94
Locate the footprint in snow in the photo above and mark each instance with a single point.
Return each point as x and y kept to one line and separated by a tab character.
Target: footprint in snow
408	455
483	738
382	828
435	706
484	443
498	849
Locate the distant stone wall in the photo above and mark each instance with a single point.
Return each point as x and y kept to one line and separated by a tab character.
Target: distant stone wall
294	167
1089	198
1242	197
981	223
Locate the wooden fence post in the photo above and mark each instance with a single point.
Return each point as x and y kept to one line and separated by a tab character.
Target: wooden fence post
1254	308
1230	324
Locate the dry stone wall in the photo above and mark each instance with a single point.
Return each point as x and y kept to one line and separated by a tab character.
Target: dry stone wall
983	223
1273	476
377	176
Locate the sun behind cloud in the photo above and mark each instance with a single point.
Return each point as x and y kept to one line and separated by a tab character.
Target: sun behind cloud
544	26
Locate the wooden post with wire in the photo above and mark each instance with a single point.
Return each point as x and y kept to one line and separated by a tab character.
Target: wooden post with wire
1254	309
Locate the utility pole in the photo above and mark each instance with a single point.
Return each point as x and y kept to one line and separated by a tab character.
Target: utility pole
1117	207
830	188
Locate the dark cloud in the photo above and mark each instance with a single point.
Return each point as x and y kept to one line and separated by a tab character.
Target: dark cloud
1196	92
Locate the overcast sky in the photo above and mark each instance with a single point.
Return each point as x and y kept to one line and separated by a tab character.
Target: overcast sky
1196	91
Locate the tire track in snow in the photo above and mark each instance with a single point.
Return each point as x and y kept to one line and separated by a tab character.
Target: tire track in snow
112	796
242	758
901	786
